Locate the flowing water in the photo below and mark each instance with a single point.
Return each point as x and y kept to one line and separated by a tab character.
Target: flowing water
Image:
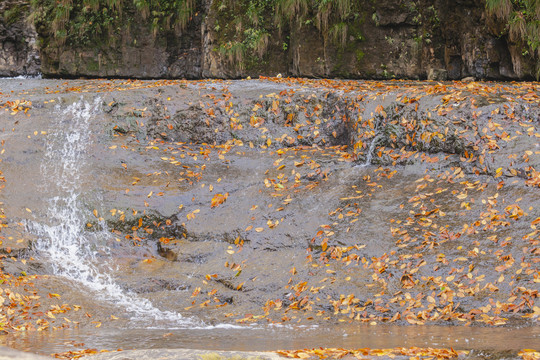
271	338
371	149
71	251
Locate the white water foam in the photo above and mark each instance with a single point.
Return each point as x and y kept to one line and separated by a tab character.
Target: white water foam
23	77
73	251
371	150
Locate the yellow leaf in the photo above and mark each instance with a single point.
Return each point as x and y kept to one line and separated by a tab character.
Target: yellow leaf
219	199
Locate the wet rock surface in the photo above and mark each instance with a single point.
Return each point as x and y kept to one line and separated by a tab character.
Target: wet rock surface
9	354
287	201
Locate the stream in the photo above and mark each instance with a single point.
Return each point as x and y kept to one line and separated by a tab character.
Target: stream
269	214
271	339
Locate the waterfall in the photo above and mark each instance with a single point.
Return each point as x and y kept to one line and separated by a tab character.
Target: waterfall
371	149
369	156
73	251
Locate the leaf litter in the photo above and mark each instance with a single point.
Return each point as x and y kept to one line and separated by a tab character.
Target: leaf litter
454	217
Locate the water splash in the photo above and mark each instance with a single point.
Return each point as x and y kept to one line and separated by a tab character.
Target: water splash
23	77
377	137
371	150
73	251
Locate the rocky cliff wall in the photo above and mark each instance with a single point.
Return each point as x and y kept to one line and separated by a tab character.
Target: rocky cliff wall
19	53
419	39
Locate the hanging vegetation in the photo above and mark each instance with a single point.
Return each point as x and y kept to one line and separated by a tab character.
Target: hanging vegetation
522	24
83	22
244	27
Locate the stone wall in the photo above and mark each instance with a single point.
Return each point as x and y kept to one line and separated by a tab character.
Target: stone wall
441	39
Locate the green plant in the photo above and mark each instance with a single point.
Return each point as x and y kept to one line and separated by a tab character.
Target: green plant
291	10
338	33
359	55
87	21
12	14
522	24
326	9
375	18
333	18
165	15
434	18
244	38
338	21
385	73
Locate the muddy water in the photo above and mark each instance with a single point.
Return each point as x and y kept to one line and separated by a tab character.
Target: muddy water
274	338
110	191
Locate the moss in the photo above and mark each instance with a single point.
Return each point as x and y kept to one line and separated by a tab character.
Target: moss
338	68
350	52
92	66
359	55
13	14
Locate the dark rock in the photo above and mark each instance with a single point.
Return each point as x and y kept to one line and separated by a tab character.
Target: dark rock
388	39
437	74
19	53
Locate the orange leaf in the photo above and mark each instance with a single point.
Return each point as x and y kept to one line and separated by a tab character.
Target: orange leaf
219	199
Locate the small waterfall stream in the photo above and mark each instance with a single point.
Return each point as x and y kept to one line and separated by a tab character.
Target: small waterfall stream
72	251
372	145
369	156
